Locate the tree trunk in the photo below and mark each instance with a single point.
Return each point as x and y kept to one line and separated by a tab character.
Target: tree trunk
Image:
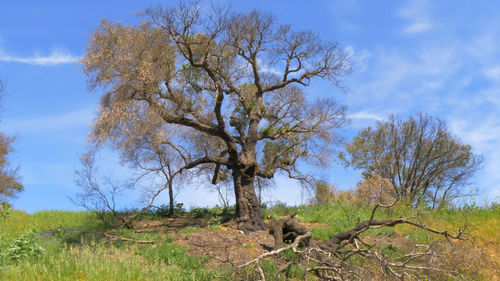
171	198
286	230
248	213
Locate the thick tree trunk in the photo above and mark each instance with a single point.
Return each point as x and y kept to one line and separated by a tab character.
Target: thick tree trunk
286	230
248	213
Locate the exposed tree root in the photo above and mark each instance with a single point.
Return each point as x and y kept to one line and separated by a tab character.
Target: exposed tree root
332	259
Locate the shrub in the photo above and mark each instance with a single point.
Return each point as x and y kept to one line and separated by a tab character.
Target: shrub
164	209
24	246
374	189
4	212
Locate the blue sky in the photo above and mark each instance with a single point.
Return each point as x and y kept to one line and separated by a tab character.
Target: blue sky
439	57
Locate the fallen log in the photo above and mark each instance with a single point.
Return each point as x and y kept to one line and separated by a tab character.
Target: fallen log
286	230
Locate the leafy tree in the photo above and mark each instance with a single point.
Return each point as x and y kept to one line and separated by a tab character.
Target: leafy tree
423	161
226	89
9	180
372	190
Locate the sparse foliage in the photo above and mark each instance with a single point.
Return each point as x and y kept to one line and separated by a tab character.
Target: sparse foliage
376	190
372	190
225	88
9	179
99	195
419	156
329	193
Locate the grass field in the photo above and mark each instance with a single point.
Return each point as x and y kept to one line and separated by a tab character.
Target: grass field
62	245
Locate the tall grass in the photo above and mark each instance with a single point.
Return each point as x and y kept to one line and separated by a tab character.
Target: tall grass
20	221
100	262
73	248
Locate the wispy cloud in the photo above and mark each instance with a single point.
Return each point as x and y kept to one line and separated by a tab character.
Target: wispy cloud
54	58
366	115
360	58
493	73
483	134
451	74
415	12
65	121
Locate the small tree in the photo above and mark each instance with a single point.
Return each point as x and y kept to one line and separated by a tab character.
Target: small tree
234	83
9	180
376	190
147	154
419	156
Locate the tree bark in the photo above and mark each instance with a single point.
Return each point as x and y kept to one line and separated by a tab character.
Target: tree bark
286	230
248	213
171	198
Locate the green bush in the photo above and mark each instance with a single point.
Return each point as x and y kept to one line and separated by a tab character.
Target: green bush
24	246
200	213
164	209
5	212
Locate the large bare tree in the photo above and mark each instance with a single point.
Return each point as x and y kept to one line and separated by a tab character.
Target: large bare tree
229	88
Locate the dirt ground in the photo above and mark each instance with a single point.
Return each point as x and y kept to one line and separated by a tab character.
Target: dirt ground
224	244
168	224
227	246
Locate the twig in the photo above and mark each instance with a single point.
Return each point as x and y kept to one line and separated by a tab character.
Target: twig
293	246
117	238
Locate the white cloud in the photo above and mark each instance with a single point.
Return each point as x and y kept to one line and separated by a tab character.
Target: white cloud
54	58
418	27
71	120
482	132
493	73
483	135
360	58
443	76
415	12
365	115
484	47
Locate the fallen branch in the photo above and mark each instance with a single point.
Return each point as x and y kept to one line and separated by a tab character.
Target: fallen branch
113	238
293	246
333	259
372	224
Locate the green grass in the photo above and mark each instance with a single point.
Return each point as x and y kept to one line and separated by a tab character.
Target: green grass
331	218
19	222
148	236
481	221
61	245
71	247
189	229
99	262
214	227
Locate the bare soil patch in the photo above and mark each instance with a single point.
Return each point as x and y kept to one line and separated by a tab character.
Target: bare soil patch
168	224
224	244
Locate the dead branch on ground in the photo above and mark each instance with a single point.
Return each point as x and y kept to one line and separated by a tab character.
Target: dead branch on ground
113	238
346	256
